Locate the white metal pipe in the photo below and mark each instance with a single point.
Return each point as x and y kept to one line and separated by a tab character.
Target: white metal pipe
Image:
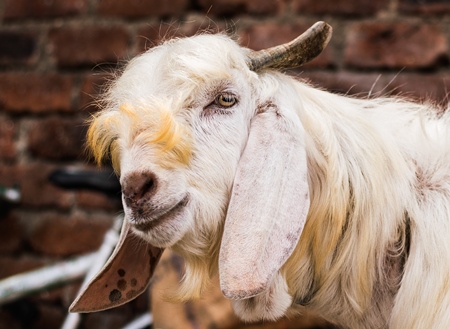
21	285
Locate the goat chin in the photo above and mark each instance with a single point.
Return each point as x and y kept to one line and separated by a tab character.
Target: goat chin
270	305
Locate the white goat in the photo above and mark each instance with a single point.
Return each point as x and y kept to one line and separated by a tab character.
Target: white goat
296	196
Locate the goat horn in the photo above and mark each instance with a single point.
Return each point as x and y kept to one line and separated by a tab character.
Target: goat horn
299	51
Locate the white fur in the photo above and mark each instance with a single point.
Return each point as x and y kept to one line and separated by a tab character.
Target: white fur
269	305
375	249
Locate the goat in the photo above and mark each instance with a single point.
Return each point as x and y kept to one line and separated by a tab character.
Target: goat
295	196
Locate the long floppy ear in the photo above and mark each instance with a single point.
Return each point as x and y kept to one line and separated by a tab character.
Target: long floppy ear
124	277
268	205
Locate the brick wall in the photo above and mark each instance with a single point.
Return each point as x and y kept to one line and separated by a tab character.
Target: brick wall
56	54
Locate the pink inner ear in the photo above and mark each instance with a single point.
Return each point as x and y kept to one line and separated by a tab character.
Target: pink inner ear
124	277
268	206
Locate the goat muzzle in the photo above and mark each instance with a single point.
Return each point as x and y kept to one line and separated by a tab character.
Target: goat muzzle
138	188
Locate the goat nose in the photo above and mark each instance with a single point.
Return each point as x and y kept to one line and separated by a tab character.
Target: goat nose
138	187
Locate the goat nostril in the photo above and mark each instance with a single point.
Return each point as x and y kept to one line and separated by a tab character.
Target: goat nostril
129	201
147	187
138	187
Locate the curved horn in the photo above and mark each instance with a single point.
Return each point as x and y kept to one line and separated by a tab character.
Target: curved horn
299	51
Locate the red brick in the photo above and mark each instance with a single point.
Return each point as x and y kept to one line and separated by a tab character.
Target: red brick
19	9
141	8
414	86
10	265
56	138
395	45
27	313
11	233
153	34
93	86
61	235
35	188
200	24
238	7
18	47
339	7
88	45
34	92
8	131
349	83
429	7
421	87
94	200
265	35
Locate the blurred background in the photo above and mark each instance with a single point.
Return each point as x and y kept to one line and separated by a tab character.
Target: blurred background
56	55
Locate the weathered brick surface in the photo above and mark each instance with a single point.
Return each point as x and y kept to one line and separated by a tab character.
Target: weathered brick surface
31	314
18	9
18	47
56	138
265	35
75	234
96	200
139	8
88	45
395	45
35	92
34	185
93	86
428	7
339	7
10	265
8	132
151	35
419	87
348	83
228	7
12	233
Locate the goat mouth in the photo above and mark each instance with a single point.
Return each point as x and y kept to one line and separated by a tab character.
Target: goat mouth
145	225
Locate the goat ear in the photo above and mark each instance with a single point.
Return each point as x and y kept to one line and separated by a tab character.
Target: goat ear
124	277
268	205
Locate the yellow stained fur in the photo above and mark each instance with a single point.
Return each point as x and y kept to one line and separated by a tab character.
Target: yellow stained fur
157	127
345	227
100	136
172	140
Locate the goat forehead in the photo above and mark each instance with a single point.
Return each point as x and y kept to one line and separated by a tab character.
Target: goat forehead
179	63
217	50
159	84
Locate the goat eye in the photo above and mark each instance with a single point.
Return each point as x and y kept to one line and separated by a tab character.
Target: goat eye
225	100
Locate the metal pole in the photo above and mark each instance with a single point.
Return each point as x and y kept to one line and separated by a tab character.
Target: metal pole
21	285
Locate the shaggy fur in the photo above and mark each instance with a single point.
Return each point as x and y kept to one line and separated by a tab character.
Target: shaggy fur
375	248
